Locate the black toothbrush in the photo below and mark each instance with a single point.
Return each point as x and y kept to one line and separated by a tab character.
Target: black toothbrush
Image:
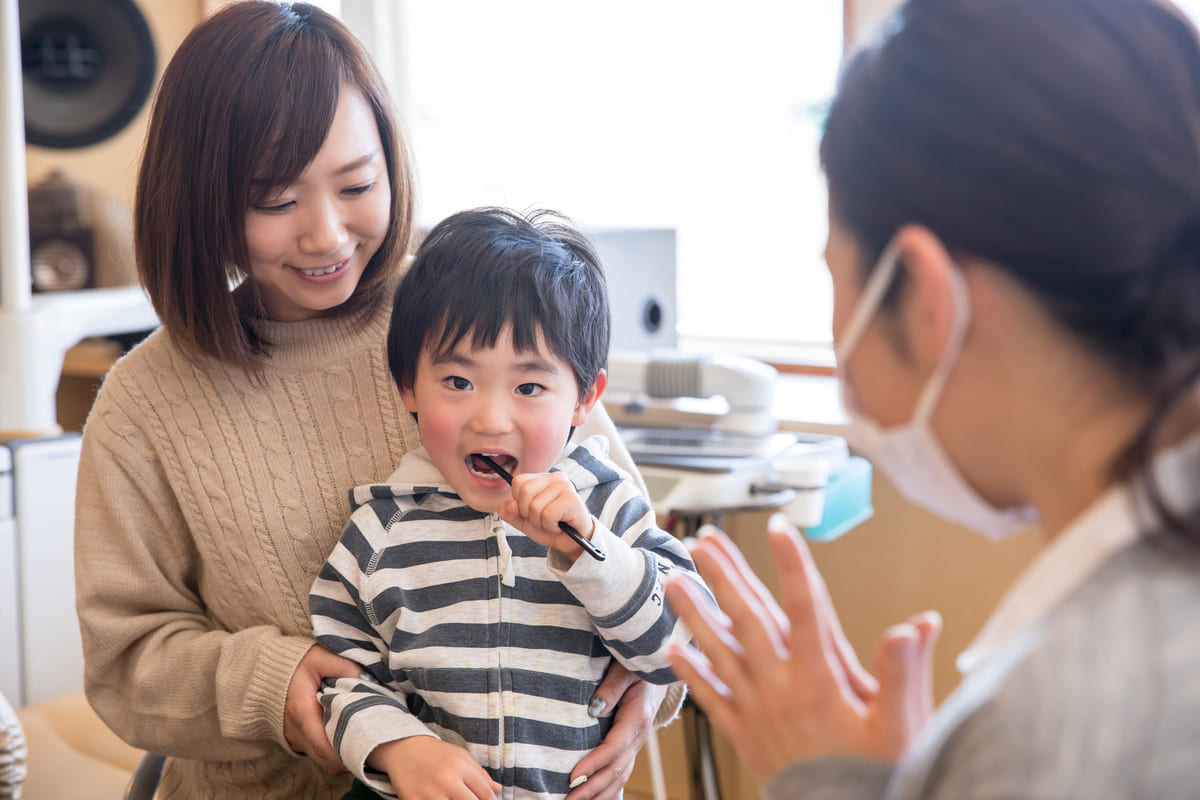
589	548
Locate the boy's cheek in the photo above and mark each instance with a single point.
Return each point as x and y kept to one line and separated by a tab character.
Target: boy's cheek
439	437
435	427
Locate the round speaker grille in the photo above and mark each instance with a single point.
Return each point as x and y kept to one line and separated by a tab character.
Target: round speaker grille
87	68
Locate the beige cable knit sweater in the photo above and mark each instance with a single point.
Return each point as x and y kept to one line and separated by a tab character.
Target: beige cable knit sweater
206	503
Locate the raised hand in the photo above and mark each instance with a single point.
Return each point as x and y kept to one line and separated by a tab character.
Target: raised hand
780	679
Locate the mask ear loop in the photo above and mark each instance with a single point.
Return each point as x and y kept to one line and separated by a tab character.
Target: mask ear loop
868	303
871	297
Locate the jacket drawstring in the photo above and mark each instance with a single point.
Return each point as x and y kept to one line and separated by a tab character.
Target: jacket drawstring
507	576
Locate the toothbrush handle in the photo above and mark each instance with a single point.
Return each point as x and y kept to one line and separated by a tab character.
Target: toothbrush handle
589	548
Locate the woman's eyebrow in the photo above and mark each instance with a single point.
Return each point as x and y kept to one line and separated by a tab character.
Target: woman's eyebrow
358	162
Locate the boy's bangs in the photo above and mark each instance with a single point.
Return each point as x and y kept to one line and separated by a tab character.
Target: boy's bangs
472	317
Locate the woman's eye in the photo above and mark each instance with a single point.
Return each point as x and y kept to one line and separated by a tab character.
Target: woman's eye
457	383
357	190
530	389
274	208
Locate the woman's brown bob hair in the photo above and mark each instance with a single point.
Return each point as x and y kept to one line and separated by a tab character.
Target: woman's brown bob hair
243	107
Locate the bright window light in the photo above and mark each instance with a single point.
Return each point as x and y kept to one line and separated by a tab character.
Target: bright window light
1190	7
702	117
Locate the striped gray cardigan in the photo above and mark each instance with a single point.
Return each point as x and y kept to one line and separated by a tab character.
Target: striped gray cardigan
470	631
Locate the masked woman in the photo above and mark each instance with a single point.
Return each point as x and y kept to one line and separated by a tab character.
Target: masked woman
1014	206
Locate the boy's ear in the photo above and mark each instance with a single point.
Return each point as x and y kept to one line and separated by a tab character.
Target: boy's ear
409	398
584	407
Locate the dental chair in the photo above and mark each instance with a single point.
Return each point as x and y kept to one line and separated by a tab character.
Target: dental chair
58	749
13	752
144	781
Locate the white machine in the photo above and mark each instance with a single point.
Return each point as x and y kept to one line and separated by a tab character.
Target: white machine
668	388
703	433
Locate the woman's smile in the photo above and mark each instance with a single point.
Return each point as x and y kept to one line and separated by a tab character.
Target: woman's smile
323	272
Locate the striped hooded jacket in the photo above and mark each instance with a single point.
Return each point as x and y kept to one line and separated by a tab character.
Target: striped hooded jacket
470	631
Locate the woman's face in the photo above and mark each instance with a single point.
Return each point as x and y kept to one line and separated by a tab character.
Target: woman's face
310	242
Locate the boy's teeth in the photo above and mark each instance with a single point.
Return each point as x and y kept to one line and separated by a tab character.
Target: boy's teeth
486	469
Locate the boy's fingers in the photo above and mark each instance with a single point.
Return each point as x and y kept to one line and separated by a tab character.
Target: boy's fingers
482	786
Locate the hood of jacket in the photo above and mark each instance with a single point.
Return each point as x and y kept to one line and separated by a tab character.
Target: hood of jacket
416	475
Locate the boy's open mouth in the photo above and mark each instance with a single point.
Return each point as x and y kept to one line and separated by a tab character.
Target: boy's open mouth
479	467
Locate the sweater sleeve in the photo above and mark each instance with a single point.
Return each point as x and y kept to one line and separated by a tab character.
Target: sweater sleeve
362	713
159	671
624	593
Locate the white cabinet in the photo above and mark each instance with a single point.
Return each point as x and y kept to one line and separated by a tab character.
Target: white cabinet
41	655
10	659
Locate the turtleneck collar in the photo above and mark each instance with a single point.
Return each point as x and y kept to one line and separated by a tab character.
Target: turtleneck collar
322	339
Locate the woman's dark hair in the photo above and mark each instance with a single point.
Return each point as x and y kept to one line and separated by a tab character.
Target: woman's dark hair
243	107
481	271
1057	139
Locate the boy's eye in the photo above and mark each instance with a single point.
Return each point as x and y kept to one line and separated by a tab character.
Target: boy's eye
457	383
530	389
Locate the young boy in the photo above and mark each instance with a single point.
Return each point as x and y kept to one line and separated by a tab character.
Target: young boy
483	629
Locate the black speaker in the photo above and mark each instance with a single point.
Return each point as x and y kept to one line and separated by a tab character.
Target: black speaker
87	66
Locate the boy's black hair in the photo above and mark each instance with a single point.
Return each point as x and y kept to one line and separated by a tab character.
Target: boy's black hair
481	270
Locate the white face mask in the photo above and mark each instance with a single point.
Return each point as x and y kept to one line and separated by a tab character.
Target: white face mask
910	454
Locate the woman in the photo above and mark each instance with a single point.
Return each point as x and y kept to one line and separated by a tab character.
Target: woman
219	453
1015	250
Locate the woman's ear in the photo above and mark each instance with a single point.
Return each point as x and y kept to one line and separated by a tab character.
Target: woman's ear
928	310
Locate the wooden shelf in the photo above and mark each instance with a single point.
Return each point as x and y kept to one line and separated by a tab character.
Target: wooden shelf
91	358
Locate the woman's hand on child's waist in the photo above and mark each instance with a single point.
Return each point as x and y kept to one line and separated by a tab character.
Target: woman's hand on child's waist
609	766
303	716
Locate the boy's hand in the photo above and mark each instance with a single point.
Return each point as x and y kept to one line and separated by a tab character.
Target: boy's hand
426	768
541	501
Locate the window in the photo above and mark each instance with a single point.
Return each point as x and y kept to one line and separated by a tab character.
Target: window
704	118
1191	8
